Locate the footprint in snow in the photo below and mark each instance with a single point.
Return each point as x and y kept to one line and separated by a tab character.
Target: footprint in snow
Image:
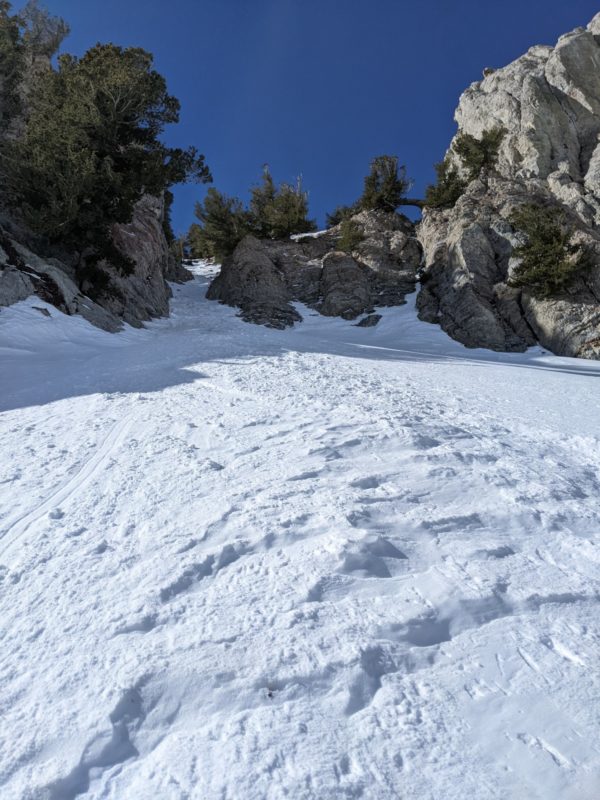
76	533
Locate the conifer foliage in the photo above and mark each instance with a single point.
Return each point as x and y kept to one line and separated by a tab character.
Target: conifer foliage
24	37
277	212
91	145
385	185
351	235
551	259
223	224
274	212
479	154
477	157
342	213
448	188
384	189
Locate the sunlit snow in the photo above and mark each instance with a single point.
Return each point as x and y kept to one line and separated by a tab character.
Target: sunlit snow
330	562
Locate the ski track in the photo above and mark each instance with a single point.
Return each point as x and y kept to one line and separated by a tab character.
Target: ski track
322	563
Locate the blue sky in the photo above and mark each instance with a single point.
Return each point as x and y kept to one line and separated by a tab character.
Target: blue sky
317	87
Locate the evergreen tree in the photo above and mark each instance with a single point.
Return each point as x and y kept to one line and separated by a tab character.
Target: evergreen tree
274	212
12	64
91	149
24	37
351	235
385	185
225	222
197	244
550	260
277	212
262	201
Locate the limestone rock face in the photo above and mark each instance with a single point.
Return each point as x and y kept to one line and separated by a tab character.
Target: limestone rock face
264	278
548	101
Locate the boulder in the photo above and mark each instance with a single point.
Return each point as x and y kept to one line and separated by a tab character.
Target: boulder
250	280
145	293
23	273
369	321
15	285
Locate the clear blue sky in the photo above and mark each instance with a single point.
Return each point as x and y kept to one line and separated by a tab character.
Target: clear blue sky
317	87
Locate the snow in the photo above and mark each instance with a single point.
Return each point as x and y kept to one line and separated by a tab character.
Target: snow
312	235
330	562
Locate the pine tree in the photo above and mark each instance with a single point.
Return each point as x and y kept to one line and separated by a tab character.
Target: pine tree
340	213
91	149
351	235
479	154
385	185
550	259
277	212
262	201
225	222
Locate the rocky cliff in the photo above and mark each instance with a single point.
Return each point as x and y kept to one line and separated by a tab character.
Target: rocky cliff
548	102
133	298
264	278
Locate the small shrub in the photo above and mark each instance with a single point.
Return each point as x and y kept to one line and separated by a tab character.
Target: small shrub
351	236
477	154
341	213
550	260
449	187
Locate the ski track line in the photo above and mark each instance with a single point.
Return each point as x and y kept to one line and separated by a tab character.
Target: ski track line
19	526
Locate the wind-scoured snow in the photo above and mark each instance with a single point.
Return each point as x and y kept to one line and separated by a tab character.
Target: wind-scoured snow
329	562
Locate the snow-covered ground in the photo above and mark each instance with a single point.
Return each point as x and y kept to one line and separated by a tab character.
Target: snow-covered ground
331	562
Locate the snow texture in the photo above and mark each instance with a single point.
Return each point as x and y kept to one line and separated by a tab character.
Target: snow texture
331	562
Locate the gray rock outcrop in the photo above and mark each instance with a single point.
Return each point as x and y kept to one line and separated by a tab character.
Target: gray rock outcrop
134	298
548	101
264	278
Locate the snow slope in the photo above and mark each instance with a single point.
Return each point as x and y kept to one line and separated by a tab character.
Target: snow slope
331	562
